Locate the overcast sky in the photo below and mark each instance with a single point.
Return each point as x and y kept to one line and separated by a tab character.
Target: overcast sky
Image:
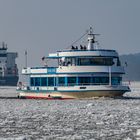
43	26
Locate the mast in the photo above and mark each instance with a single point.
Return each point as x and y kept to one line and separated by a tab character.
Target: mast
25	58
91	39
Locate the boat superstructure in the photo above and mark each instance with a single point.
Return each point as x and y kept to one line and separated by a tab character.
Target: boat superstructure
82	72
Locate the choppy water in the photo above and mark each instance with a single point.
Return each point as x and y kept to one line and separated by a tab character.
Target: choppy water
103	118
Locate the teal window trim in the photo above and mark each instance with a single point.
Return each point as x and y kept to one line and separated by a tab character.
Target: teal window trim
93	80
66	81
32	81
77	81
40	82
47	81
37	81
56	81
44	81
51	81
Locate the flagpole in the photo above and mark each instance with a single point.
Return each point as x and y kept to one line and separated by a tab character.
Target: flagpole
26	59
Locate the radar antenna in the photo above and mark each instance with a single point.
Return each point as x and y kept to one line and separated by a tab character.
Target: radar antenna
91	39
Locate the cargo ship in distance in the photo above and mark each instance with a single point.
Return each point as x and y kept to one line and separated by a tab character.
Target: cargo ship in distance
82	72
8	67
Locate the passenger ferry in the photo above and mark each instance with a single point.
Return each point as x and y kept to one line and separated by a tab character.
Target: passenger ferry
82	72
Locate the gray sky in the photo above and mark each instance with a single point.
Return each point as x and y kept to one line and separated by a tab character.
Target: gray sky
43	26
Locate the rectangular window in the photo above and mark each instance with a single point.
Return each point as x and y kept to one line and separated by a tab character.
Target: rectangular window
37	81
50	81
84	80
71	81
32	81
61	81
44	81
97	80
104	80
83	61
116	80
100	80
95	61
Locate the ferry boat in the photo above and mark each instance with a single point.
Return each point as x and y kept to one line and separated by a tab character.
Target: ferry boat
82	72
8	67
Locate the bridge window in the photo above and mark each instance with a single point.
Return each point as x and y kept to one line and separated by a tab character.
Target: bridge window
91	61
68	61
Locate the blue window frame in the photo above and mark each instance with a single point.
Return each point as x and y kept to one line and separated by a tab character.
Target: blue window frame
37	81
84	80
93	61
71	81
44	81
96	80
32	81
51	81
116	80
104	80
100	80
61	81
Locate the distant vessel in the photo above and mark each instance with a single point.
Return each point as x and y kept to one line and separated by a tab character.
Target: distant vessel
82	72
8	67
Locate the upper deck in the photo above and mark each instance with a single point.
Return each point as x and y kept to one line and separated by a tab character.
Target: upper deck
84	53
82	59
72	70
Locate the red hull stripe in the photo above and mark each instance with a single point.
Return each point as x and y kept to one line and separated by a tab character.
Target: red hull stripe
47	98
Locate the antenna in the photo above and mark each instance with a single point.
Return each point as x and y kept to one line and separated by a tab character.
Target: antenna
91	30
88	32
25	58
91	39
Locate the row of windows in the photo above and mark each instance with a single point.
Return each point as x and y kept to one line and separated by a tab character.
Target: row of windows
97	61
90	61
71	81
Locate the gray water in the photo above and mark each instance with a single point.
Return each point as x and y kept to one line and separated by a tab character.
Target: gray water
104	118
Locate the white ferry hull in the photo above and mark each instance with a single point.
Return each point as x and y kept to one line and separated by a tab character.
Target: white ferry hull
71	95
